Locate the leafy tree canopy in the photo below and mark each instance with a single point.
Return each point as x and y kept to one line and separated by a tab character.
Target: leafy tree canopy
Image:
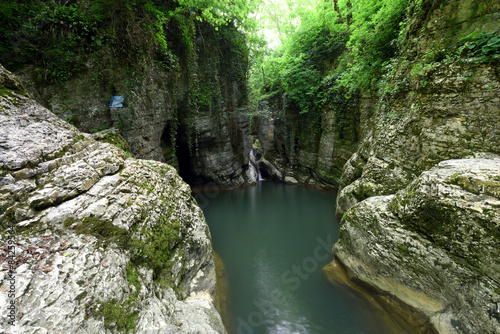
319	42
59	37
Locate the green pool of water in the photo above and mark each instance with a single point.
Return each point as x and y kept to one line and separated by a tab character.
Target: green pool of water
274	240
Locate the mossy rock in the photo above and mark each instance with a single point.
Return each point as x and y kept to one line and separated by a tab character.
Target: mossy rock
112	136
10	92
151	248
118	315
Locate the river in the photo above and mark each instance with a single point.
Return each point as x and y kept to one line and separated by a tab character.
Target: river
274	240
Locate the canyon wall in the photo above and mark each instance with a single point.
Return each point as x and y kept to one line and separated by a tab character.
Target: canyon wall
431	105
184	109
415	159
418	229
436	107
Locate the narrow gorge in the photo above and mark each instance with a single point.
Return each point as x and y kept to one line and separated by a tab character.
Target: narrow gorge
395	106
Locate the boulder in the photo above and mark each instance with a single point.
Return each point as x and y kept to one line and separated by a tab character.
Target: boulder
103	242
433	246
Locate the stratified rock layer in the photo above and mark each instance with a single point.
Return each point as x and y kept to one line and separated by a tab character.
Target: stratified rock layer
187	115
451	118
435	245
448	110
103	242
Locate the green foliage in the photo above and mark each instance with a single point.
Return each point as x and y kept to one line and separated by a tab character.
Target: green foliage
215	12
298	66
59	38
50	35
300	82
372	41
480	43
117	315
343	105
305	64
320	45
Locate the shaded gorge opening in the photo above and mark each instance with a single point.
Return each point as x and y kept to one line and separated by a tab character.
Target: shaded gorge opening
274	240
181	157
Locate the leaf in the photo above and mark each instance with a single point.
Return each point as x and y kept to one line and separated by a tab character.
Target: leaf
494	41
470	36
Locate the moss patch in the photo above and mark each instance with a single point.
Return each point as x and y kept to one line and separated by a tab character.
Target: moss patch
9	92
403	249
153	250
118	316
435	220
115	139
133	277
4	91
103	230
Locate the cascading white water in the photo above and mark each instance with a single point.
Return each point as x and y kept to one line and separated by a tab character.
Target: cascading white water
254	163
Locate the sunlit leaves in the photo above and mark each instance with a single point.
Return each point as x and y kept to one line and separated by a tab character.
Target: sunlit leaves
217	12
316	43
373	31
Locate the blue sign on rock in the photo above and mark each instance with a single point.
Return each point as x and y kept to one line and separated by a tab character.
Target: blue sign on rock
116	102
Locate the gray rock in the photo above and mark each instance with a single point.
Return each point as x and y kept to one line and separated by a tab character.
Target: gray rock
187	112
449	111
433	246
86	216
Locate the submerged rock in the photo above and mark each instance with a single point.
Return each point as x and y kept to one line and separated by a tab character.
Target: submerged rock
434	246
103	243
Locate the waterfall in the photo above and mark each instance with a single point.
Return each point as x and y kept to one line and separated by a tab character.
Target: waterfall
253	160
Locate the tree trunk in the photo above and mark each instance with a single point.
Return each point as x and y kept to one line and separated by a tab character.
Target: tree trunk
337	9
349	13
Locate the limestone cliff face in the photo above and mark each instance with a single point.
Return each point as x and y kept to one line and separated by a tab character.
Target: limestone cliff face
431	108
434	246
418	228
184	112
295	153
448	110
103	243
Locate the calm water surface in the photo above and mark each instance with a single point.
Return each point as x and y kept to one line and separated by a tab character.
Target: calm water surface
274	240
